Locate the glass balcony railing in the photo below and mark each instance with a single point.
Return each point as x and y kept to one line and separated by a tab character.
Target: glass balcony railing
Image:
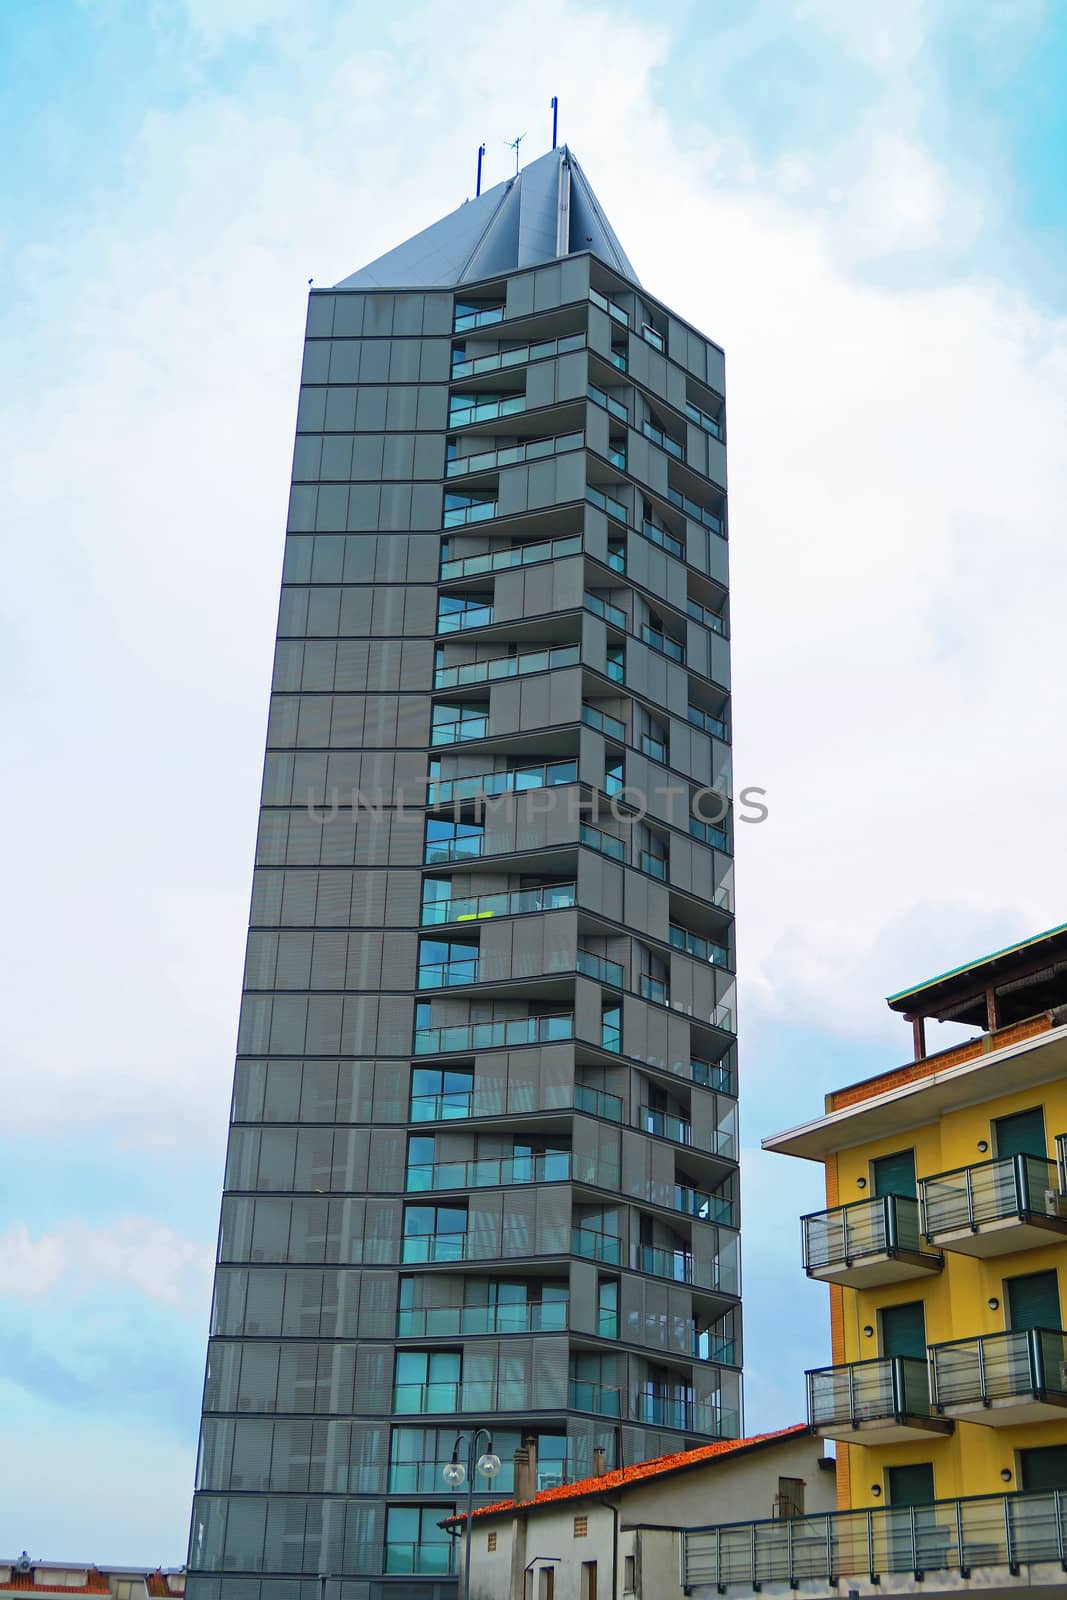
611	1037
466	1037
427	1247
655	989
596	1246
604	502
617	458
456	732
703	419
619	359
658	640
883	1226
514	454
706	722
446	1106
440	974
665	540
596	1397
605	843
473	511
614	311
700	949
597	1102
507	903
652	337
467	847
520	555
442	791
500	667
707	1207
616	671
467	317
600	968
708	833
601	608
655	866
674	1264
518	356
614	407
704	614
985	1374
432	1559
617	558
611	726
663	440
656	748
465	409
886	1390
470	616
992	1195
665	1124
692	509
718	1075
532	1316
496	1172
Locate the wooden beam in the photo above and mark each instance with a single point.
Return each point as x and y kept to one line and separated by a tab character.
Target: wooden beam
918	1030
991	1009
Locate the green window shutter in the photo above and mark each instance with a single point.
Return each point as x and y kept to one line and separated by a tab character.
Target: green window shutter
1021	1135
894	1174
911	1486
1034	1301
1043	1469
904	1330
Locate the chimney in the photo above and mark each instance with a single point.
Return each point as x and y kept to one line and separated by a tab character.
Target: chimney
526	1470
600	1461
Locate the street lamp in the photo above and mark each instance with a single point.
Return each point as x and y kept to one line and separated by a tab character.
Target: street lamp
456	1475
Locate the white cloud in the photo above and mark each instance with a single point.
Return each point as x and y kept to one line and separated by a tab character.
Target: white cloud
81	1260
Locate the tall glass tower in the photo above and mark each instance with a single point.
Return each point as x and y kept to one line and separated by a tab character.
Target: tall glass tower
482	1155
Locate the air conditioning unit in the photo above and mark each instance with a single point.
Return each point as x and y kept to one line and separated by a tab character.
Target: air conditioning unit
1055	1204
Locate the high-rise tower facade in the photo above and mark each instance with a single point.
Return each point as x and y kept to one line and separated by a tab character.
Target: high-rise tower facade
482	1156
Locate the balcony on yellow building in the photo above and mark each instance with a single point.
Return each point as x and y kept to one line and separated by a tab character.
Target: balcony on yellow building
868	1243
885	1401
995	1207
1001	1380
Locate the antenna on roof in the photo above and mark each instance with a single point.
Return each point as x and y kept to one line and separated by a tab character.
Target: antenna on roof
555	119
513	144
481	155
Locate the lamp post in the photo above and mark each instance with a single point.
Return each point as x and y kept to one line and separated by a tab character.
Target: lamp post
456	1475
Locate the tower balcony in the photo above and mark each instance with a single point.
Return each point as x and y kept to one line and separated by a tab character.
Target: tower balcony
885	1401
867	1243
1001	1380
995	1207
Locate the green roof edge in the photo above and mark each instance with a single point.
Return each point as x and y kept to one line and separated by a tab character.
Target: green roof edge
970	966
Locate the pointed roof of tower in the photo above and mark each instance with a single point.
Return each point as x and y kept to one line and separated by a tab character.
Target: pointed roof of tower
546	211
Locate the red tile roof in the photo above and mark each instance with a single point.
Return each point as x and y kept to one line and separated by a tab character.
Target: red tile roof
657	1467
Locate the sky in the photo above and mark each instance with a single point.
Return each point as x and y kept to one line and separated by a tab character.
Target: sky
865	205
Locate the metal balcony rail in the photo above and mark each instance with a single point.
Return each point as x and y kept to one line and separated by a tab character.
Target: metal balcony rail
473	511
498	667
601	608
701	949
665	1124
990	1191
703	419
429	1559
491	1172
666	541
603	723
517	780
708	1346
616	671
663	440
656	748
713	1075
519	555
837	1237
439	974
999	1366
692	509
654	989
508	903
448	1105
958	1536
619	359
674	1264
704	614
535	1316
699	1203
465	409
605	843
476	317
514	454
604	502
611	1037
492	1035
610	307
616	559
425	1247
658	640
706	722
891	1387
650	336
617	457
596	1246
467	847
456	732
470	616
599	1398
600	968
597	1102
614	407
468	367
708	833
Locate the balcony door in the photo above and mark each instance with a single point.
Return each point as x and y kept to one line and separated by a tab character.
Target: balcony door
894	1174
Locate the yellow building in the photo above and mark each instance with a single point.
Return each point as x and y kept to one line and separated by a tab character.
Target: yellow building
943	1246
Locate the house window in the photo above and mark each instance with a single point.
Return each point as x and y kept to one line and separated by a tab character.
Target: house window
629	1574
